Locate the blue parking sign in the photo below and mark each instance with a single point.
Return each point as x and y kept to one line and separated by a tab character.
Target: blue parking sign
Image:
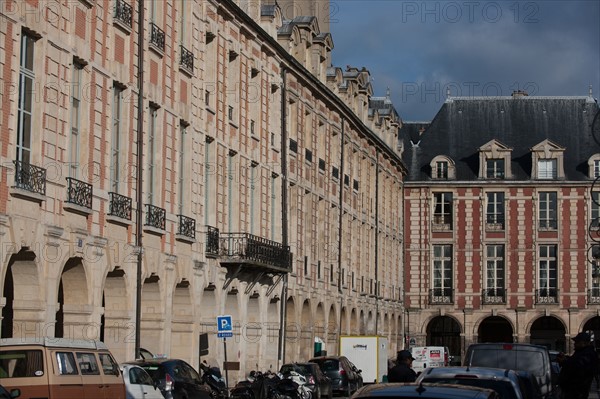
224	327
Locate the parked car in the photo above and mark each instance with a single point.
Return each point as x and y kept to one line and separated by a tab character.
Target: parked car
527	357
345	377
4	394
316	380
424	391
175	378
139	384
505	382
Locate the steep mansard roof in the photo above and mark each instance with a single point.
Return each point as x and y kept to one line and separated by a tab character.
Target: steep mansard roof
464	124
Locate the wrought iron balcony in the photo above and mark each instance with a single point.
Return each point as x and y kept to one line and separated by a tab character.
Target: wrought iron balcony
441	295
119	206
29	177
157	37
123	13
594	296
186	227
547	295
494	295
244	248
155	217
212	241
79	193
186	60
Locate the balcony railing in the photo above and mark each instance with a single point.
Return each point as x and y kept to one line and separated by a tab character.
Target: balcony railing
252	249
441	295
212	241
123	13
79	193
494	295
187	59
155	217
29	177
157	37
186	227
119	206
594	296
547	295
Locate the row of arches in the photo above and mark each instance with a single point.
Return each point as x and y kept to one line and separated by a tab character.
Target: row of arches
82	301
548	331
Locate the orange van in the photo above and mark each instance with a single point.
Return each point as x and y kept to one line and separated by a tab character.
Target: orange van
58	368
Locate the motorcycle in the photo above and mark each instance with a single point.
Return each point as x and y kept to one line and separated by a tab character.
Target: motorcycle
302	391
266	385
211	376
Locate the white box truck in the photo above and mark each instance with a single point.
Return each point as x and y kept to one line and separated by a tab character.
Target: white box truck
368	353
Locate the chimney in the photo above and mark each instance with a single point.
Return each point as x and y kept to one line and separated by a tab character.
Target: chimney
519	94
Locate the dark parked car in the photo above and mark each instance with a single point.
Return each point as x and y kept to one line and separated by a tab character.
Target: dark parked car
424	391
345	377
175	378
316	380
530	386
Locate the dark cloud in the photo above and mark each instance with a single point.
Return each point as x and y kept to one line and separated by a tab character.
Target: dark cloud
420	49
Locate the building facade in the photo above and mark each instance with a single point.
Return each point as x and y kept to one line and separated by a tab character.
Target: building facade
500	221
209	158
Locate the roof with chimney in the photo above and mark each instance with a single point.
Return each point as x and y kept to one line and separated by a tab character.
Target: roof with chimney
520	122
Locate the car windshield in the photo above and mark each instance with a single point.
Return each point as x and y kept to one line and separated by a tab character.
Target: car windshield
156	372
504	388
329	365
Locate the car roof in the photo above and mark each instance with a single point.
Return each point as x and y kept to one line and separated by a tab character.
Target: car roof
482	372
156	361
506	345
449	391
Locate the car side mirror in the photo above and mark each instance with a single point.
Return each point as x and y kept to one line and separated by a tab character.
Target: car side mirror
15	393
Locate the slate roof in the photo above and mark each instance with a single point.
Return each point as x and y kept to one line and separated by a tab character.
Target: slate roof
464	124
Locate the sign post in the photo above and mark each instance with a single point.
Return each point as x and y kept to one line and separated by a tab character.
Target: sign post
225	330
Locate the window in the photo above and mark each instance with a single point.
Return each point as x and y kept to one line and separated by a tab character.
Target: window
441	170
355	185
595	210
547	213
495	168
442	274
252	126
75	120
596	172
21	363
495	210
335	172
115	160
206	97
109	366
151	152
321	165
293	146
494	273
442	213
547	169
308	155
182	133
138	376
230	113
25	106
547	274
87	363
66	363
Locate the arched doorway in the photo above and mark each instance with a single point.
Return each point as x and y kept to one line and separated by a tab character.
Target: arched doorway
592	326
495	329
549	332
445	331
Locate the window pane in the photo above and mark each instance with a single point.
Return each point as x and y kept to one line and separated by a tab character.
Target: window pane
66	363
21	363
87	363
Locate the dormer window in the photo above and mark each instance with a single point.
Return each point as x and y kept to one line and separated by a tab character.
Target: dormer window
546	169
547	161
594	166
494	160
495	168
442	168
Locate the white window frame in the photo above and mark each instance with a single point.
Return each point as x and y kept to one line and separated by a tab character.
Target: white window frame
548	209
26	100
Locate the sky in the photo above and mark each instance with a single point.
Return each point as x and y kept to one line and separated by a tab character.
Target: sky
419	49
